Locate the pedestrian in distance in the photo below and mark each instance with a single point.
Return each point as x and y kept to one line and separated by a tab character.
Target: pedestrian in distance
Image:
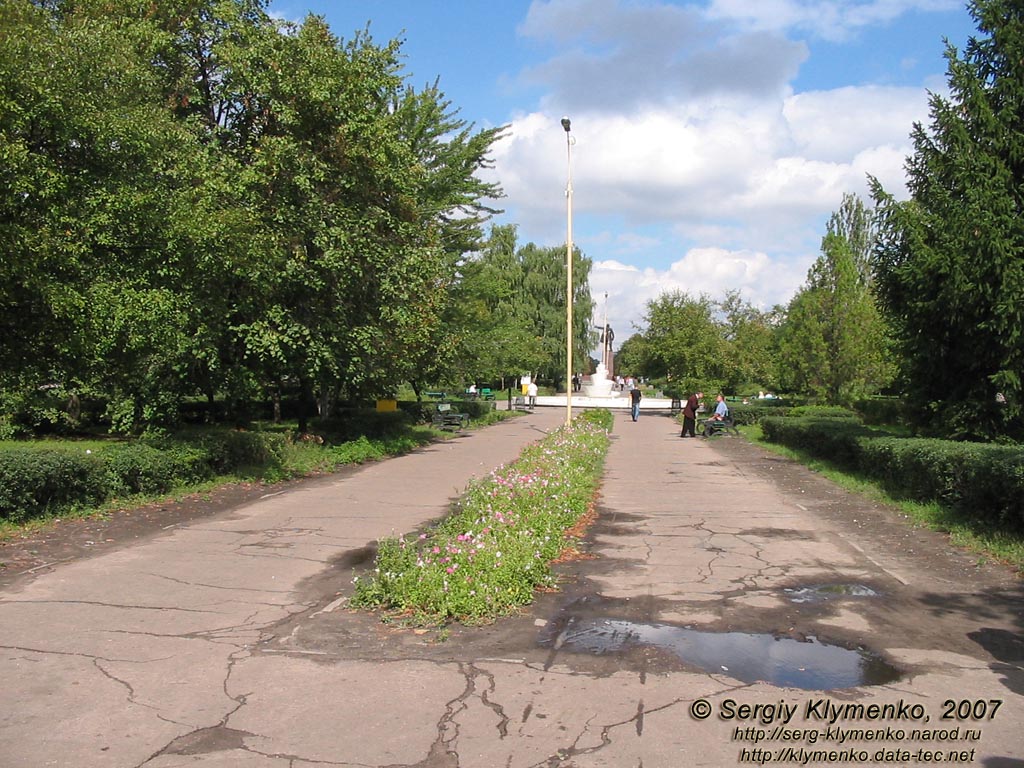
690	415
531	392
634	399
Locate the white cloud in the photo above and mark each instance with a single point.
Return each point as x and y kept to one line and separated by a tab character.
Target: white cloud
829	19
711	162
692	150
837	124
710	271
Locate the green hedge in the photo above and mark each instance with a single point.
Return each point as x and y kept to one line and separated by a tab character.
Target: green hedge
353	423
36	481
981	480
754	413
748	415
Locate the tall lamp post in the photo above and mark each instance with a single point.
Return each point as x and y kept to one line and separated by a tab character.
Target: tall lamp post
568	272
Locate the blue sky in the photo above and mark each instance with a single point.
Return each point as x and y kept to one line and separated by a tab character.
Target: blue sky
713	138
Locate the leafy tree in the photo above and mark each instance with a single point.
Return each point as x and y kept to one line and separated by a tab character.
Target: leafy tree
950	264
684	342
508	311
200	199
833	345
634	355
93	152
749	335
495	339
544	306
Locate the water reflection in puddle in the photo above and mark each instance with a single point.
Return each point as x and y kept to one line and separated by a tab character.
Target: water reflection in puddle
822	592
744	656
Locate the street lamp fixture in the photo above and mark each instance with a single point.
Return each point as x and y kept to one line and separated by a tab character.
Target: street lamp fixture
568	274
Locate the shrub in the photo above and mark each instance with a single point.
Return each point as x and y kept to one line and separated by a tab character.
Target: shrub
475	408
137	468
822	412
233	450
357	451
752	414
353	423
882	410
36	481
983	481
834	439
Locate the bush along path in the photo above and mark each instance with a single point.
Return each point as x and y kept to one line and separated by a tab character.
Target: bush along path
497	546
50	479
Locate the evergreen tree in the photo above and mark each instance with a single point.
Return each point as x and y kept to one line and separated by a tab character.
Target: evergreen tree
950	264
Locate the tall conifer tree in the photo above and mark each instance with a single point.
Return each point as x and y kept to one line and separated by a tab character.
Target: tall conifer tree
950	262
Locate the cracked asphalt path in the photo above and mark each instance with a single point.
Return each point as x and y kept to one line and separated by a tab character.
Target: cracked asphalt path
227	641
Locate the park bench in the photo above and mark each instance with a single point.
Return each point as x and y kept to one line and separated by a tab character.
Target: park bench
711	428
445	418
436	395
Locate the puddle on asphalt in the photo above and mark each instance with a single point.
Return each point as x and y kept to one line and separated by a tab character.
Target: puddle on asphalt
822	592
748	657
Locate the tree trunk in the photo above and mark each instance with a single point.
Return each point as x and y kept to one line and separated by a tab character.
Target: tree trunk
305	401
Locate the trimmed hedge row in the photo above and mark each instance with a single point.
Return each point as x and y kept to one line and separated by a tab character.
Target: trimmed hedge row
982	480
748	415
36	481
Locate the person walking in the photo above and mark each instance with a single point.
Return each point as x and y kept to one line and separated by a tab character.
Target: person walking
634	399
531	392
690	415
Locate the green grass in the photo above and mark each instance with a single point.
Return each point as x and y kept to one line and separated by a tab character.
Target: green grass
969	534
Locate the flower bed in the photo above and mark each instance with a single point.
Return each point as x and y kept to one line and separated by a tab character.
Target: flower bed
496	547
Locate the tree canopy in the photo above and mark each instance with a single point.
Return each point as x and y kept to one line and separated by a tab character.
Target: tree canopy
199	199
950	262
834	343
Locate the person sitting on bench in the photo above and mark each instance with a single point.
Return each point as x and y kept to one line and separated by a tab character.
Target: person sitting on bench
721	410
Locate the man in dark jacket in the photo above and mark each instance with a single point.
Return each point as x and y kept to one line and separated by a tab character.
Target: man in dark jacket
634	401
690	414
